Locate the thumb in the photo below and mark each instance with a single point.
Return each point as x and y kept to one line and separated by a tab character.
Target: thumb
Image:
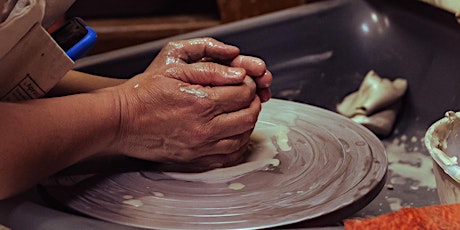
207	73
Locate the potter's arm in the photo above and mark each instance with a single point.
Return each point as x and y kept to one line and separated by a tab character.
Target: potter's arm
78	82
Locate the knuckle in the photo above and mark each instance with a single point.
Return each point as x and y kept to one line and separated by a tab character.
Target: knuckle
173	45
213	97
230	145
204	106
175	69
249	94
179	156
209	69
250	87
201	135
174	72
235	145
189	156
250	82
251	119
209	40
183	156
238	61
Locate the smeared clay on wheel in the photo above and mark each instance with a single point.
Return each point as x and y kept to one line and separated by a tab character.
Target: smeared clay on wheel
327	164
265	142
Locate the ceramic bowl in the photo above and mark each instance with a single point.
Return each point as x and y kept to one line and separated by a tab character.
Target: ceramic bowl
442	141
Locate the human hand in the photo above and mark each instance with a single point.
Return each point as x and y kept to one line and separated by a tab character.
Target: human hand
165	118
209	50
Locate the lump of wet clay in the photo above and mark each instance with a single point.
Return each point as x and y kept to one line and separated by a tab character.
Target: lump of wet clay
376	104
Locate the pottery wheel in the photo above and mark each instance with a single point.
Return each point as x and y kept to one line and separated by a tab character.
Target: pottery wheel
332	163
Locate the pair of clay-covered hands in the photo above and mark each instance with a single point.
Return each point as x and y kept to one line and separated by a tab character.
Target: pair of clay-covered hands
198	102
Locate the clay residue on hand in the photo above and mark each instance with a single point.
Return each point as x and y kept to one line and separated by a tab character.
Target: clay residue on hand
196	92
376	104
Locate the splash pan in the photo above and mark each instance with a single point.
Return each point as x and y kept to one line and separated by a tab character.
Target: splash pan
326	163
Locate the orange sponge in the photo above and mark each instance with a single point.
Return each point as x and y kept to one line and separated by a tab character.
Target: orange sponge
430	217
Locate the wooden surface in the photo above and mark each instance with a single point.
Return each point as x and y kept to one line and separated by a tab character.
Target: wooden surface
118	33
125	23
233	10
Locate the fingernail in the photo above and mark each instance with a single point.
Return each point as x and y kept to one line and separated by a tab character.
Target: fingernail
235	72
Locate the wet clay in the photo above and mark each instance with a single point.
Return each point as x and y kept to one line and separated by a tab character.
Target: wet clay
376	103
265	142
196	92
409	166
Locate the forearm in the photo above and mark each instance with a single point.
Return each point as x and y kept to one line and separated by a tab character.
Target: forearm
43	136
78	82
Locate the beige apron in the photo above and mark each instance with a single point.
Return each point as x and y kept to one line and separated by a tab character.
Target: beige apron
31	62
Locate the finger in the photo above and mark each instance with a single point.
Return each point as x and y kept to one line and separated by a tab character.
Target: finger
255	67
224	99
228	146
232	98
265	80
223	160
215	156
195	50
231	124
207	73
208	162
264	94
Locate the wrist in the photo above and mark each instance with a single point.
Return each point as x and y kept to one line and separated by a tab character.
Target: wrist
110	100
